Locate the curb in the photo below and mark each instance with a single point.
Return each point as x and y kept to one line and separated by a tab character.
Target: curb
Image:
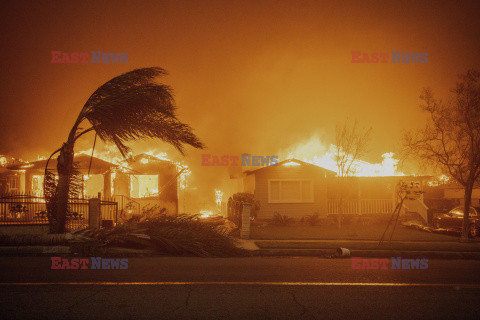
34	250
29	251
329	253
294	252
22	251
370	245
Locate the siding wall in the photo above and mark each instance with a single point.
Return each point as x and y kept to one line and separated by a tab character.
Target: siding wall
294	210
362	187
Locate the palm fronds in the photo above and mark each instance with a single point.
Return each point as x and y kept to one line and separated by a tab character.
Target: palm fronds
133	106
172	235
128	107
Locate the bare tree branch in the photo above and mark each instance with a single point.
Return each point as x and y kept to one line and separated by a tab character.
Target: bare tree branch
450	140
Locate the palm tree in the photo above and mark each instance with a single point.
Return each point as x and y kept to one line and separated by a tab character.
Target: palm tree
128	107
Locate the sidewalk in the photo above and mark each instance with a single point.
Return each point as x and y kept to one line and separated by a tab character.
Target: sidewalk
369	245
318	248
48	251
410	249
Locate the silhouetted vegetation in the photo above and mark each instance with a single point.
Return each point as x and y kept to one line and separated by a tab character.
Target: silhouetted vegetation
281	220
450	140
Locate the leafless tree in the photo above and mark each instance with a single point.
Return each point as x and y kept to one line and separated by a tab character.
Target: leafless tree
450	140
351	144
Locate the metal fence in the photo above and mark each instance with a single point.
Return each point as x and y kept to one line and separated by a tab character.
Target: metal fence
109	209
24	209
126	206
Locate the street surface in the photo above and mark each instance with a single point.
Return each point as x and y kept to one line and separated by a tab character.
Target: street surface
238	288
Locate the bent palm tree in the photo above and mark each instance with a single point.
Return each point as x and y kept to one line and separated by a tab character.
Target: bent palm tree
128	107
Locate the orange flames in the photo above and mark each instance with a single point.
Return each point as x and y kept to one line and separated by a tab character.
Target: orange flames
218	198
111	154
315	152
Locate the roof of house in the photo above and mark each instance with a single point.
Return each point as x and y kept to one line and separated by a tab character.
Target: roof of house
139	164
330	172
98	166
299	162
148	164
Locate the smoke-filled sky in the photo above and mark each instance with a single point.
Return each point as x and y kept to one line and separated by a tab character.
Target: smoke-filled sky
249	76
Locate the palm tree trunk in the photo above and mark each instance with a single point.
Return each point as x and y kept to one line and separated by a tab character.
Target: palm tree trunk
65	170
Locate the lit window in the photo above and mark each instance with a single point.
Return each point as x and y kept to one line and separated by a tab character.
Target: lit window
92	185
142	186
37	185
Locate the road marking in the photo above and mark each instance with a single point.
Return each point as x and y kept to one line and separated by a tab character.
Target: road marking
243	283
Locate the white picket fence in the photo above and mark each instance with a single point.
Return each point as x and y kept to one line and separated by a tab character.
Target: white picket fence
360	206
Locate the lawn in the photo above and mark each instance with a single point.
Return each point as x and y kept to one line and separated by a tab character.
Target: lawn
347	232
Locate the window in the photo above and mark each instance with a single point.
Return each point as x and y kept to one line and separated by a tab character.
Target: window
290	191
92	185
13	183
37	185
143	186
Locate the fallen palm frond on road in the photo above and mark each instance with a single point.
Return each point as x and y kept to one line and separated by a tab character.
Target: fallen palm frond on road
171	235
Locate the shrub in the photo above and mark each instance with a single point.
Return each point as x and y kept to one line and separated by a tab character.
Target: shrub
312	220
281	220
235	205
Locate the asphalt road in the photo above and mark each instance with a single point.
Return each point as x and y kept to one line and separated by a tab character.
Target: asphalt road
238	288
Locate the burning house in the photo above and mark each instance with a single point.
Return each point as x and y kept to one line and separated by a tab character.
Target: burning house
143	180
150	181
96	174
10	181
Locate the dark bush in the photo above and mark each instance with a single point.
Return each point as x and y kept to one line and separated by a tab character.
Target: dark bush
312	220
235	205
281	220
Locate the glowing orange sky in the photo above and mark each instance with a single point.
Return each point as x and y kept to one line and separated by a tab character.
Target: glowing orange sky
249	76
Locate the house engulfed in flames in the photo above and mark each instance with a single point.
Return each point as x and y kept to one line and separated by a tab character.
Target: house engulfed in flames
144	179
10	181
